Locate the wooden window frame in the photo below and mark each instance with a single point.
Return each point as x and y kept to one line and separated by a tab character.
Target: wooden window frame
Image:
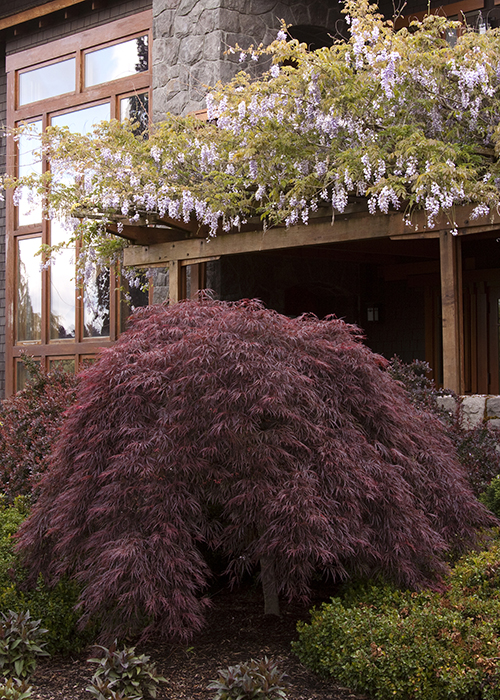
76	45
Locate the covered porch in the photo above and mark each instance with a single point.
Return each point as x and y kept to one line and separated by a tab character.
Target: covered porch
417	292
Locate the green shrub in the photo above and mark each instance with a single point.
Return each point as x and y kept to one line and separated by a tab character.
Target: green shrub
491	496
54	606
414	646
122	675
255	680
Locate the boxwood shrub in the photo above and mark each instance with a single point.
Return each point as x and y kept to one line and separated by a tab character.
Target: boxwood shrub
415	646
54	606
491	496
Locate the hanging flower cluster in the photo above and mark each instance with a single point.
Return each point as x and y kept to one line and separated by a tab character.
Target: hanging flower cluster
401	118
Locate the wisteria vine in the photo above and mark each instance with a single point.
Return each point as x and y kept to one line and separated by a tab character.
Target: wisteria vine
401	118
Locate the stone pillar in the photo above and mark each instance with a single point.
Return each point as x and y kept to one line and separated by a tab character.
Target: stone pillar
190	38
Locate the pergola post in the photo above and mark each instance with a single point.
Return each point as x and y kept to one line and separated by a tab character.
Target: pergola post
176	281
451	304
197	279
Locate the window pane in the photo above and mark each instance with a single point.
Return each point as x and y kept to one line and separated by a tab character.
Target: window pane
29	290
96	305
29	209
136	110
65	363
136	295
81	121
22	374
62	287
48	81
116	61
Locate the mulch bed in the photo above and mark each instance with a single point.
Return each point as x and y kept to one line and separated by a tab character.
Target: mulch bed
236	631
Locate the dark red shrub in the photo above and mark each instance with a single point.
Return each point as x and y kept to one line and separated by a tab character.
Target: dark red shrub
29	424
270	439
477	447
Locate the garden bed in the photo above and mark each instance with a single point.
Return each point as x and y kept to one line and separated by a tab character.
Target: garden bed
236	631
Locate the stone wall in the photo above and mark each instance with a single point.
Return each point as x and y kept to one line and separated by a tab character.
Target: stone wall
190	38
475	409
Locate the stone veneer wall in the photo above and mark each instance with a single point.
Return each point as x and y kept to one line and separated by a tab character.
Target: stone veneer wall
190	38
475	409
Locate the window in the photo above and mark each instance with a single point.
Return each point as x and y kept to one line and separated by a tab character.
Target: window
117	61
29	290
47	81
76	82
29	211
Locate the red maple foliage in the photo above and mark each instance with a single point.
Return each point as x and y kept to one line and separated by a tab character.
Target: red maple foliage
274	440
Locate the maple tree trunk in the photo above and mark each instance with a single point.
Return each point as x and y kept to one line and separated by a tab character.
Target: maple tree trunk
269	587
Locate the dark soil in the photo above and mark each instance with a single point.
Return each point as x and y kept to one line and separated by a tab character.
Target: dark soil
236	631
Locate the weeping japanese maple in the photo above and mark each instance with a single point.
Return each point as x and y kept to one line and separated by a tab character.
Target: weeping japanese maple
281	443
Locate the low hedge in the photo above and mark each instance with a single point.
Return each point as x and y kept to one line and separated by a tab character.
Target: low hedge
415	646
491	496
54	606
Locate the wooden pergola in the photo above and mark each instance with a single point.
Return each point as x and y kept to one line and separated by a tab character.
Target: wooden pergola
175	245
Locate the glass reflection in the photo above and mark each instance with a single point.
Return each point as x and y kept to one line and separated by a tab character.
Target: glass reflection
62	287
65	363
96	304
82	121
22	374
136	109
48	81
136	295
29	209
29	290
62	272
116	61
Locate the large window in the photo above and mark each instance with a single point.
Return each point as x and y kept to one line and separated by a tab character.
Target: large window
76	82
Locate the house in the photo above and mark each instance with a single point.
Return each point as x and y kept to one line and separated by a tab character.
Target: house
421	295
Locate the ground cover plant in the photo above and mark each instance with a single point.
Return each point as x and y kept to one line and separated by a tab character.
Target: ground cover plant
414	646
21	644
121	673
15	689
254	680
280	444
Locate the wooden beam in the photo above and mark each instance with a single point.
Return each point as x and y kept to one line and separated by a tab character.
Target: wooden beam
36	12
402	271
144	235
451	306
184	263
346	227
